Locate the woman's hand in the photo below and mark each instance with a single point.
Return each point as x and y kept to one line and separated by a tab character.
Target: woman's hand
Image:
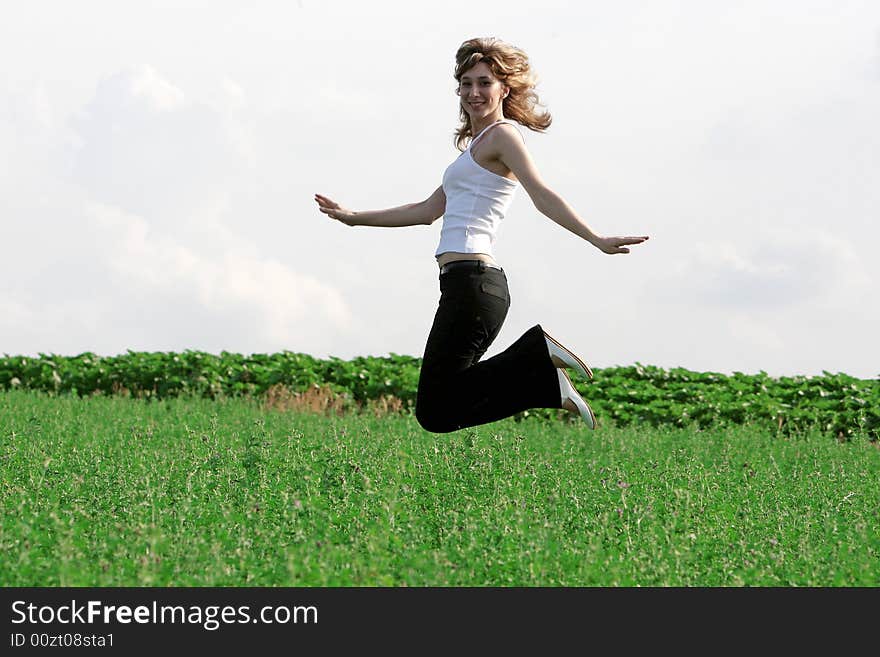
335	211
617	244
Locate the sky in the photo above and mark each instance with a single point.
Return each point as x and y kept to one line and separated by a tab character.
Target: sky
160	159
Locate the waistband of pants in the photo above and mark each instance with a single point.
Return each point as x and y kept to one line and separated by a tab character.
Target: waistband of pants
468	264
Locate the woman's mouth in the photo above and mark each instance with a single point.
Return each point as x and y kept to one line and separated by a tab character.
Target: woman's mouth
478	104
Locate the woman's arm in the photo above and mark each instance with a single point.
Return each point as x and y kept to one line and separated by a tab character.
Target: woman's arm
411	214
511	150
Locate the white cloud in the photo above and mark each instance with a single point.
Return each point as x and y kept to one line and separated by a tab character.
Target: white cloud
234	94
237	280
130	246
766	269
14	314
146	149
764	300
144	83
874	66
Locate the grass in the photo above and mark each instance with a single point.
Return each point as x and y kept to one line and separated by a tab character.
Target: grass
107	491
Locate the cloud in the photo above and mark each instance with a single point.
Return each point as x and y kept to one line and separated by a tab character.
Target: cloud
234	95
875	59
147	148
145	85
27	108
775	270
736	135
144	241
129	285
235	280
14	313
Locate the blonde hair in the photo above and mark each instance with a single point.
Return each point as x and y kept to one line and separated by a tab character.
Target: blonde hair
511	66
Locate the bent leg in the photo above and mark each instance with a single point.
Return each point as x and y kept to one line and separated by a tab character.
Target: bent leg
519	378
455	389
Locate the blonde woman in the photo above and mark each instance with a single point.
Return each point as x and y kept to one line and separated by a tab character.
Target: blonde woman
456	389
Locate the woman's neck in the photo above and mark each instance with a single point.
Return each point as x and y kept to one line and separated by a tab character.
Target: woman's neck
478	126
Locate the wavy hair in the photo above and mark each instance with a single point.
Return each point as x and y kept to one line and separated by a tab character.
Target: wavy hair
511	66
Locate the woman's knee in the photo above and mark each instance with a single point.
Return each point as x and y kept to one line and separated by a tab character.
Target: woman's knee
433	419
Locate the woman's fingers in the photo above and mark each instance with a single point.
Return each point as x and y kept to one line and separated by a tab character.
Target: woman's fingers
329	207
325	202
618	244
621	241
633	240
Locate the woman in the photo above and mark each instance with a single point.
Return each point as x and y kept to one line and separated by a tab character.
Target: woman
456	390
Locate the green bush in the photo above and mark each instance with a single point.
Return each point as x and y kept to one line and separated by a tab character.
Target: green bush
842	405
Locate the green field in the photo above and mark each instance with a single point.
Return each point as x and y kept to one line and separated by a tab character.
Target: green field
112	491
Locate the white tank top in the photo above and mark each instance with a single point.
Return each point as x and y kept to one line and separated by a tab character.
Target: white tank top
476	202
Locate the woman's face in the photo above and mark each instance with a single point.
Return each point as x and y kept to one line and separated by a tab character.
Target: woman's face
480	92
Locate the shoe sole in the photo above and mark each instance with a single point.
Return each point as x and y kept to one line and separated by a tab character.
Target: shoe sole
584	401
585	367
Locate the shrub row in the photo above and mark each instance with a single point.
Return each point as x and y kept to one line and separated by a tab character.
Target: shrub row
168	374
843	405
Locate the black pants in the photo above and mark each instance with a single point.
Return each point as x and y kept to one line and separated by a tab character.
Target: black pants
456	390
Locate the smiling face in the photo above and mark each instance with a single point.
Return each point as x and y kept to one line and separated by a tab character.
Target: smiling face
481	93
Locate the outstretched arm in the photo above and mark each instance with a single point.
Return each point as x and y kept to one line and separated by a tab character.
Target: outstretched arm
412	214
514	154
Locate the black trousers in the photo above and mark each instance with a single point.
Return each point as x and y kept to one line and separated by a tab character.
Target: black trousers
456	389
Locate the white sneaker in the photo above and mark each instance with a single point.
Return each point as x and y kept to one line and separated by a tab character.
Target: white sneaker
566	389
567	357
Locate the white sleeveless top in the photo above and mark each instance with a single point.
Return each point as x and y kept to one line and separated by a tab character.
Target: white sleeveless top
476	202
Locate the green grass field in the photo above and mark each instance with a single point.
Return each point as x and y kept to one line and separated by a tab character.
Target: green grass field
108	491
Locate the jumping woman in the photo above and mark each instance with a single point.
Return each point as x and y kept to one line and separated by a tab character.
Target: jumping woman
456	389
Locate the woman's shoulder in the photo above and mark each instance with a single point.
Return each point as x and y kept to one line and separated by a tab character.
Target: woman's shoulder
511	127
505	131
